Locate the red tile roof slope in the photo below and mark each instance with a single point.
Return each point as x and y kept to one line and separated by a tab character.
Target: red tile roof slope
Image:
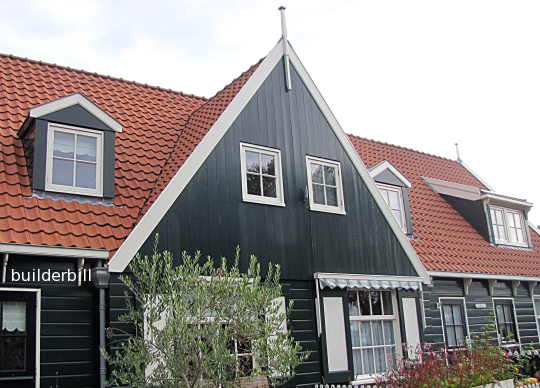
152	118
443	239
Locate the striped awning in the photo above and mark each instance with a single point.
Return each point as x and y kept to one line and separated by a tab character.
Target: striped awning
368	284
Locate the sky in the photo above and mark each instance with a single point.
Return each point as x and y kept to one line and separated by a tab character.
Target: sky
420	74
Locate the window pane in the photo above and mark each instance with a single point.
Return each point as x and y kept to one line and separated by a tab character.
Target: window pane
268	164
387	302
394	200
397	216
318	194
388	327
451	336
384	194
376	308
357	362
64	144
86	148
254	184
353	306
330	175
316	173
14	316
447	312
86	175
62	172
380	362
252	161
460	335
365	334
331	196
364	303
269	187
457	314
369	363
355	333
499	215
391	357
12	353
377	332
510	219
537	306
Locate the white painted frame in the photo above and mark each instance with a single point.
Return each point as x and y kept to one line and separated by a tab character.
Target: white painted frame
518	339
506	210
474	275
37	291
279	200
340	209
183	176
466	316
396	325
536	314
399	191
56	251
386	165
49	185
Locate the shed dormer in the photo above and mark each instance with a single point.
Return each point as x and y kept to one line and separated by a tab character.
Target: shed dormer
69	145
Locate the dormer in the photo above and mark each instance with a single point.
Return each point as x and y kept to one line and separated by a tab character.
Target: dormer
500	219
394	188
69	146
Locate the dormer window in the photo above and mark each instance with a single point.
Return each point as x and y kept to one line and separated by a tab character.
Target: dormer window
508	226
74	160
392	195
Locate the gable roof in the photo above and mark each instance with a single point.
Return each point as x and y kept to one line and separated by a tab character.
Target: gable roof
443	239
384	165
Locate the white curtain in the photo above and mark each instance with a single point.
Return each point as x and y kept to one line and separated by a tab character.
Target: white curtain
14	316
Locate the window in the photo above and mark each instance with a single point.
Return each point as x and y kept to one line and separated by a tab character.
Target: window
74	160
393	198
508	226
506	323
325	187
243	355
262	180
537	312
373	320
454	321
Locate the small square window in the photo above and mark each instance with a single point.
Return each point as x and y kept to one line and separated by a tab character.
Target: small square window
74	160
262	180
325	186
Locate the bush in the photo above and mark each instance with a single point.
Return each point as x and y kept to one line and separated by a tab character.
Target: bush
481	363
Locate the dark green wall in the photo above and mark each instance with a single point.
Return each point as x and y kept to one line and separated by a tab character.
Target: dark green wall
210	215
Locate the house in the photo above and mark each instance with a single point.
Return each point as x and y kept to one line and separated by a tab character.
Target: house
92	168
478	246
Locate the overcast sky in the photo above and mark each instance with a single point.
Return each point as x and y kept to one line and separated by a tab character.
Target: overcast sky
422	74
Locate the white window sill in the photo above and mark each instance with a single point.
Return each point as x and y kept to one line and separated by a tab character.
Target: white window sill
263	201
328	209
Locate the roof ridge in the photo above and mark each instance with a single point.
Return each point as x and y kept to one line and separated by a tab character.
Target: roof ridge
106	76
405	148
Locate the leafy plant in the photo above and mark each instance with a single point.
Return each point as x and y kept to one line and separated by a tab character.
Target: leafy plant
201	325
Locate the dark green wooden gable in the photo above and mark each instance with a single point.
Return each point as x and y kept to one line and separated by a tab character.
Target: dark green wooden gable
210	215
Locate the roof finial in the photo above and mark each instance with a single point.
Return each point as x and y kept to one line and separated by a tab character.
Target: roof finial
458	157
288	85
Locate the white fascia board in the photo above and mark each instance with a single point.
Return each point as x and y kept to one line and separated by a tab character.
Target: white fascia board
183	176
354	276
386	165
75	99
533	227
472	275
45	250
506	200
360	167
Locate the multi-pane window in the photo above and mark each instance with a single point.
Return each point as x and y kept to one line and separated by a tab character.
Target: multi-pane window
74	160
455	327
393	198
508	227
261	175
325	187
244	357
373	321
13	336
506	323
537	311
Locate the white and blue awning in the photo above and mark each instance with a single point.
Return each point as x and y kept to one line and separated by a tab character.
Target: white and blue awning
367	282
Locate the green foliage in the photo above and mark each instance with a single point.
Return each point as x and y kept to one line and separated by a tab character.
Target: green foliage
193	312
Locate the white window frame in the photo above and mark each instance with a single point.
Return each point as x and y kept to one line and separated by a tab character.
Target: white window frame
279	200
466	317
398	190
37	292
49	186
517	342
536	314
340	209
507	241
395	318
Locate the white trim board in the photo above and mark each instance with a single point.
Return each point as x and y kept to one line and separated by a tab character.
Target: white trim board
38	327
183	176
386	165
75	99
45	250
472	275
